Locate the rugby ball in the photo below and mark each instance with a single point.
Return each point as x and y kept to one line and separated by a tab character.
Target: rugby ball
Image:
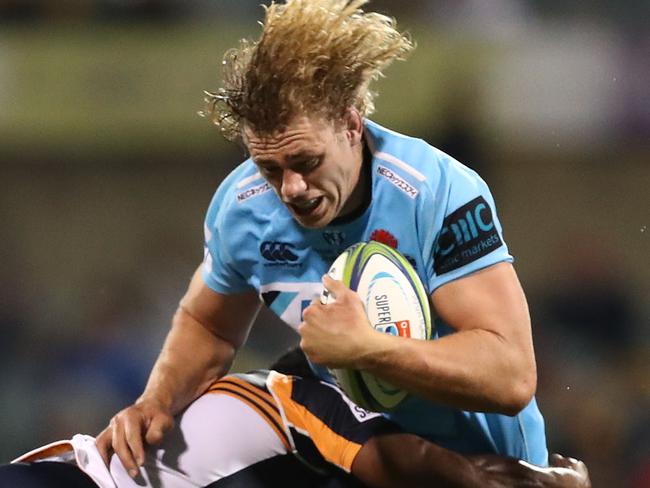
396	303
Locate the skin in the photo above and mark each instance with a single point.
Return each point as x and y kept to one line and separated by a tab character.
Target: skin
407	460
312	160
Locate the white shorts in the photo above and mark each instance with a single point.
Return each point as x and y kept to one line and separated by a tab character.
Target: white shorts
200	449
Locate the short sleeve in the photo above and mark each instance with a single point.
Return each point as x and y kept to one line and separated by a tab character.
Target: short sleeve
468	234
219	270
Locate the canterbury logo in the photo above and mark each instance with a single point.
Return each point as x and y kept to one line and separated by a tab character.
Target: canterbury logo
277	251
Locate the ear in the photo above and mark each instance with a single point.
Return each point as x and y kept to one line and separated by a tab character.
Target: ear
354	125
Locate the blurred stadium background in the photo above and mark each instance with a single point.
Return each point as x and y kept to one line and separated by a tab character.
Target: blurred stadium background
106	171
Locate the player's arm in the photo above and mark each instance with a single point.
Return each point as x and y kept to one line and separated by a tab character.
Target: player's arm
401	459
489	310
207	329
488	365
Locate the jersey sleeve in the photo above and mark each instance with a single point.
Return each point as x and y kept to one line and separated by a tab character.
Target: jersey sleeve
219	270
467	233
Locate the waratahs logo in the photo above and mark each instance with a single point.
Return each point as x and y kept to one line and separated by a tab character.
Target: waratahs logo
385	237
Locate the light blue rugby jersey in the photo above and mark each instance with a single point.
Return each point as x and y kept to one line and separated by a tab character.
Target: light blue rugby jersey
437	212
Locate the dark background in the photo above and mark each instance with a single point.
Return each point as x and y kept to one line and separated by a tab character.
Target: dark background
106	171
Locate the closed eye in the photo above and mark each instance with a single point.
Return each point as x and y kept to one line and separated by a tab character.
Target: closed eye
268	170
307	166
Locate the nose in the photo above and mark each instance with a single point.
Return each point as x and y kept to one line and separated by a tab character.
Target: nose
293	184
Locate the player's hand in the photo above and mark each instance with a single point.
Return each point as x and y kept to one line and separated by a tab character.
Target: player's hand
502	472
569	472
336	334
146	421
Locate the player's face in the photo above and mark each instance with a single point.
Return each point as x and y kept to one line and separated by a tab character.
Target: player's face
313	165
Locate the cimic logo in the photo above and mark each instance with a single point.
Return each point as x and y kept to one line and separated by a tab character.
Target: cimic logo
466	228
276	251
467	234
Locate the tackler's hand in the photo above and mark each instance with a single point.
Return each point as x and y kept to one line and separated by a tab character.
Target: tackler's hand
569	472
336	334
502	472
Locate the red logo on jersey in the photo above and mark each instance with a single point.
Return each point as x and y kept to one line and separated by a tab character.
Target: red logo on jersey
385	237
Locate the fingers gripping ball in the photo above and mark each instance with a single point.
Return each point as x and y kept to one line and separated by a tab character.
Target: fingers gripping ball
396	303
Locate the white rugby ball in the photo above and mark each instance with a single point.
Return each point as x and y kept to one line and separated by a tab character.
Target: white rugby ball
396	303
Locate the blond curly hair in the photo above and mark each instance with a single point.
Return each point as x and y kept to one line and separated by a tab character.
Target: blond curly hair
314	57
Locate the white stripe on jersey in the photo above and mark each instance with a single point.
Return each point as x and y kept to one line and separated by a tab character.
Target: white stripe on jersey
303	293
248	180
207	233
389	158
285	422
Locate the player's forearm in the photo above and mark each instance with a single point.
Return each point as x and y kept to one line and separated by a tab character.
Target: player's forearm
504	472
402	459
191	359
472	369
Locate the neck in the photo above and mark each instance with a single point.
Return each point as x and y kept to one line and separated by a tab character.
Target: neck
360	196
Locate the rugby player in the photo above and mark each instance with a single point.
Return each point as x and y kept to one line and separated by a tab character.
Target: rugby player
320	177
266	429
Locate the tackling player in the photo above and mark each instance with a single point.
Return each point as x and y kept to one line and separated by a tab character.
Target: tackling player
261	429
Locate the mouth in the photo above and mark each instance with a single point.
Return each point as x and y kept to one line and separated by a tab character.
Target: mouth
305	207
